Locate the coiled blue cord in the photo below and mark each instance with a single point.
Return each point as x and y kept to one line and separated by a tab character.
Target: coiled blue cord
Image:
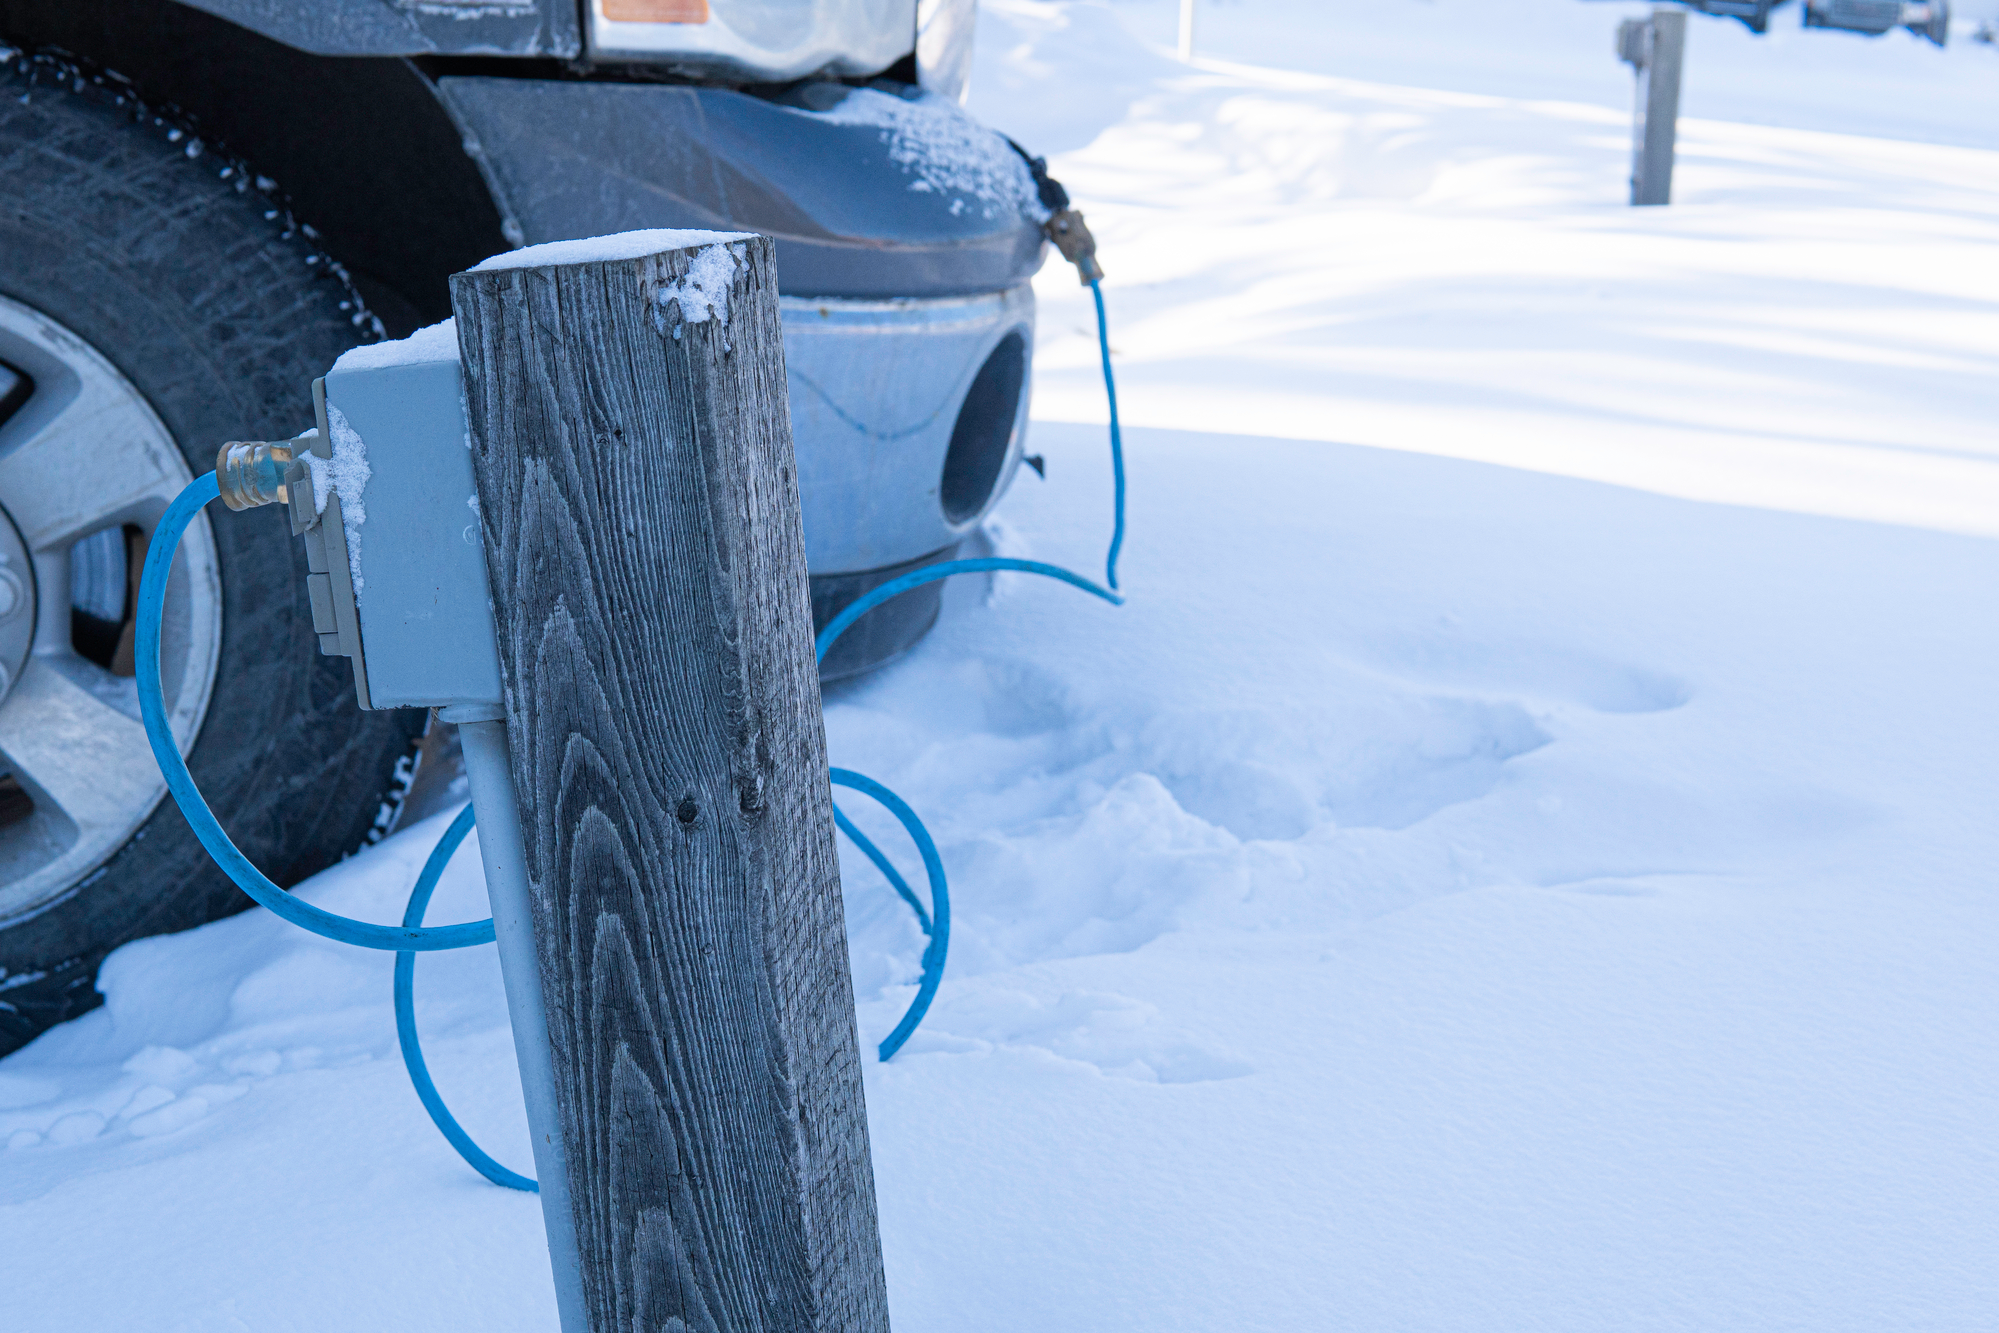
406	940
936	924
937	927
412	936
419	1072
153	713
1117	439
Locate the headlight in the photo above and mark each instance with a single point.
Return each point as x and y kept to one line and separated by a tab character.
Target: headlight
944	46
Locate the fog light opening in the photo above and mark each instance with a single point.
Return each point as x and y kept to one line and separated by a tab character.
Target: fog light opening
984	431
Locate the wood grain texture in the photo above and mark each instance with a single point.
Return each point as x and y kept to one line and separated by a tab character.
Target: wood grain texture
640	510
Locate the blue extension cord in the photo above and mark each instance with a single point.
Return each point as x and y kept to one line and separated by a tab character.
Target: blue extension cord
412	936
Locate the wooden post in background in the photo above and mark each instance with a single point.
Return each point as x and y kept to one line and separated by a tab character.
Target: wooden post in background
1655	48
632	447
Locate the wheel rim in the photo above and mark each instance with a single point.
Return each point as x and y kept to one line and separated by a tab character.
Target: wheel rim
84	454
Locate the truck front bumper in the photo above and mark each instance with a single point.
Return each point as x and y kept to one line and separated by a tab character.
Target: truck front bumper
906	235
908	418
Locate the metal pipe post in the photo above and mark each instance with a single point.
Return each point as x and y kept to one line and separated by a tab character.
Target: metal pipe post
489	772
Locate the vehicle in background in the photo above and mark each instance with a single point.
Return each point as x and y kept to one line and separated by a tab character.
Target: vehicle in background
1928	19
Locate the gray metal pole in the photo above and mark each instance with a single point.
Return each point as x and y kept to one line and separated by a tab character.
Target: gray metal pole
1657	115
489	772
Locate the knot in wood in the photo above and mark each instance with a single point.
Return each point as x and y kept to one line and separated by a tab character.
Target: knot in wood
686	812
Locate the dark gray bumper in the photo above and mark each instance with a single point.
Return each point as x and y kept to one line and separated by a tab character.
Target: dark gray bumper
917	201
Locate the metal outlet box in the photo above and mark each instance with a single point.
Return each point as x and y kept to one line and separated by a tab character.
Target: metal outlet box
426	615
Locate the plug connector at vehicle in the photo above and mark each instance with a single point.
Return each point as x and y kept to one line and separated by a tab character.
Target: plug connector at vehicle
1072	237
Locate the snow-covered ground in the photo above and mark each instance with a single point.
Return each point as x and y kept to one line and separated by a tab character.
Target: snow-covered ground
1522	860
1810	326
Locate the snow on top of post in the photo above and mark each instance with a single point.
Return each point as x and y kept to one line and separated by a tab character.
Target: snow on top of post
601	249
704	293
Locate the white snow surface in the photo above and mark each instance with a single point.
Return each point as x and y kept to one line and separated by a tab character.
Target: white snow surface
603	249
1520	860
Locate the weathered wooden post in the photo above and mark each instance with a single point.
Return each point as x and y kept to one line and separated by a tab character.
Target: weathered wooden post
632	449
1655	48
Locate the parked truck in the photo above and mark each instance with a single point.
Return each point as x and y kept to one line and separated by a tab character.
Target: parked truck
208	201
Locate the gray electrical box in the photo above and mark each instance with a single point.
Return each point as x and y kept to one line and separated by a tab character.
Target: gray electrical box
404	519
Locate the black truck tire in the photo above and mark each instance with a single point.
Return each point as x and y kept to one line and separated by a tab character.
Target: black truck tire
186	273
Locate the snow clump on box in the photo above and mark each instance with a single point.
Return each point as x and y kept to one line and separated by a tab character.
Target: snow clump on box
435	342
346	472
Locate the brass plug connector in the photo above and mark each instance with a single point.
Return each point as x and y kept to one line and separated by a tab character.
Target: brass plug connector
1073	239
250	473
